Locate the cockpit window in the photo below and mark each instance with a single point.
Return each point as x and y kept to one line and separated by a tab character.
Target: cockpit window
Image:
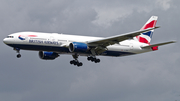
10	36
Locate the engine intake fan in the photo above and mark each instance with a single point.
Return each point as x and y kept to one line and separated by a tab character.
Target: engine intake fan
78	47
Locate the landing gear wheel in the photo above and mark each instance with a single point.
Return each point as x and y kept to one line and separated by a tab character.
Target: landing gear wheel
19	55
88	58
93	59
72	62
97	60
79	64
76	63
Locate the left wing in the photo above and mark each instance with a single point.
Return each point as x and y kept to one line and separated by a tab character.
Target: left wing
116	39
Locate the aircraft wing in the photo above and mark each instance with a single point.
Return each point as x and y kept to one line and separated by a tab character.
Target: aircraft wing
118	38
159	44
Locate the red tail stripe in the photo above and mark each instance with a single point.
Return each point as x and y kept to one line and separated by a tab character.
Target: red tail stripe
143	40
150	25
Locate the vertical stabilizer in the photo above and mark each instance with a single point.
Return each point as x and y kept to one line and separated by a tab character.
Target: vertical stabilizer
146	37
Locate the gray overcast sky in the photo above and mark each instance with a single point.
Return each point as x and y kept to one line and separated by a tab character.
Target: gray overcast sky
152	76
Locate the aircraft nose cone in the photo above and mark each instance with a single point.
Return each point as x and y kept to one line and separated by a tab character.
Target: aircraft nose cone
5	40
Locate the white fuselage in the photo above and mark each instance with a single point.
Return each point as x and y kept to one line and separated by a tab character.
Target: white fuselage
60	42
51	45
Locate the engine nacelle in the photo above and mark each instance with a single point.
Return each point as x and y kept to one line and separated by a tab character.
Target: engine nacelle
48	55
78	47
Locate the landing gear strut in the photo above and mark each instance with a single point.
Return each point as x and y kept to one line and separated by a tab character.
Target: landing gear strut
18	51
93	59
76	62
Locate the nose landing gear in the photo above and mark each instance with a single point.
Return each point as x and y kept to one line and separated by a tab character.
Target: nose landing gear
18	51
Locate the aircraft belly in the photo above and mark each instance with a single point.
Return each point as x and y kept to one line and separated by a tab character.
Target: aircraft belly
40	47
116	53
118	50
112	51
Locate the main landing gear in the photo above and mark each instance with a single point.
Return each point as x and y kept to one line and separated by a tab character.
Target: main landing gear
76	62
18	51
93	59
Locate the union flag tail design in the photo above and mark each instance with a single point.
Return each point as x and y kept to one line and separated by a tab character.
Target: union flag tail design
146	37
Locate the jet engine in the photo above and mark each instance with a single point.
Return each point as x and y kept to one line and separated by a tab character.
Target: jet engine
48	55
78	47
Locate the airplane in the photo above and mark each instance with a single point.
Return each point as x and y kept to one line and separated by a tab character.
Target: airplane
52	45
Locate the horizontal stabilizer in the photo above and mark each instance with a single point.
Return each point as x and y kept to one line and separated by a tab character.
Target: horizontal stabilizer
159	44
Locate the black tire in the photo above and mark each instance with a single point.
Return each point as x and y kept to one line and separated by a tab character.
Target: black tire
89	58
19	55
72	62
92	59
75	63
98	60
80	64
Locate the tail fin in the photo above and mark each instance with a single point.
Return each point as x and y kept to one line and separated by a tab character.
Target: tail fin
146	37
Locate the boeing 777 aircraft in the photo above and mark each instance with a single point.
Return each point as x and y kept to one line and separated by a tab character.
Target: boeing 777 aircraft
51	45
